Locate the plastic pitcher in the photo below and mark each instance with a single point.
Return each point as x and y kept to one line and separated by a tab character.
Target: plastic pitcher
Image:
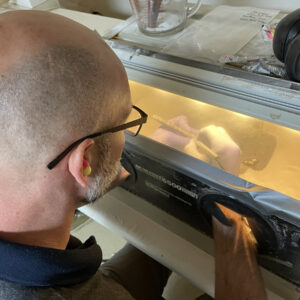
162	17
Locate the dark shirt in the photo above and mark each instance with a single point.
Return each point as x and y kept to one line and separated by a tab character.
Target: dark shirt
30	272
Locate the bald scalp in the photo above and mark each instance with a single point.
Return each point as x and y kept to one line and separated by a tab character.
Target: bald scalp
57	91
47	99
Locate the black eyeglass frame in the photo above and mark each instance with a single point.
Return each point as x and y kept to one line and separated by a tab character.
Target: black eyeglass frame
140	121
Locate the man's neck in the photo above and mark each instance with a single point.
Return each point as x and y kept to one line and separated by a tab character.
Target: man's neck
56	238
41	217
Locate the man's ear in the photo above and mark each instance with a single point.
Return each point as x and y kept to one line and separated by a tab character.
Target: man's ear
76	161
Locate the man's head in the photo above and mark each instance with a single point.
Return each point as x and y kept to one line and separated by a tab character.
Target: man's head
58	82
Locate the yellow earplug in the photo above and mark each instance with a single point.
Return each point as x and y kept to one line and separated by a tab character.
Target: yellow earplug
87	170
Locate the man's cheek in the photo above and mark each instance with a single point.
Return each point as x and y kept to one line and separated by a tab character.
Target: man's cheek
117	146
122	175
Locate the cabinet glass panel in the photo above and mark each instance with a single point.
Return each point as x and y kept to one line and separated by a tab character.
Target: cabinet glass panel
260	152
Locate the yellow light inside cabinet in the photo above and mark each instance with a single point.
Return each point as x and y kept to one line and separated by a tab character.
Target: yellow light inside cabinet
269	152
240	115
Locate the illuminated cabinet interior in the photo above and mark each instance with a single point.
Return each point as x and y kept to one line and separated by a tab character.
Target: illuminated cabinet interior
260	152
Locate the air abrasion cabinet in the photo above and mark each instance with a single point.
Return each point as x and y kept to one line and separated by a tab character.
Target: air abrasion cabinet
259	115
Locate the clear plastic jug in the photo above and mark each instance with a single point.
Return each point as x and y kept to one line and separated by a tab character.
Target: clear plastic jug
162	17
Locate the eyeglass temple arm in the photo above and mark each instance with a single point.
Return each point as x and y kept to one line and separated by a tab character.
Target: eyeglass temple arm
140	121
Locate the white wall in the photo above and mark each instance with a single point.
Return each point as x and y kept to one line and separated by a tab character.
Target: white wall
121	8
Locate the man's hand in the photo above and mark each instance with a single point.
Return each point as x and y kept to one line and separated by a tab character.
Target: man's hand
167	136
219	141
214	137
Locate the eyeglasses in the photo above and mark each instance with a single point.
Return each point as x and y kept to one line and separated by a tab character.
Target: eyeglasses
134	123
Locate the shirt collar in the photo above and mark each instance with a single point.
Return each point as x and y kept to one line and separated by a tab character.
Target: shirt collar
38	266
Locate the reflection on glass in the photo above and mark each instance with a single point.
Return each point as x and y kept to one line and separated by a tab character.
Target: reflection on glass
257	151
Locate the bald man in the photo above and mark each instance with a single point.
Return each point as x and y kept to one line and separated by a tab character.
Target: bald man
59	83
65	101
